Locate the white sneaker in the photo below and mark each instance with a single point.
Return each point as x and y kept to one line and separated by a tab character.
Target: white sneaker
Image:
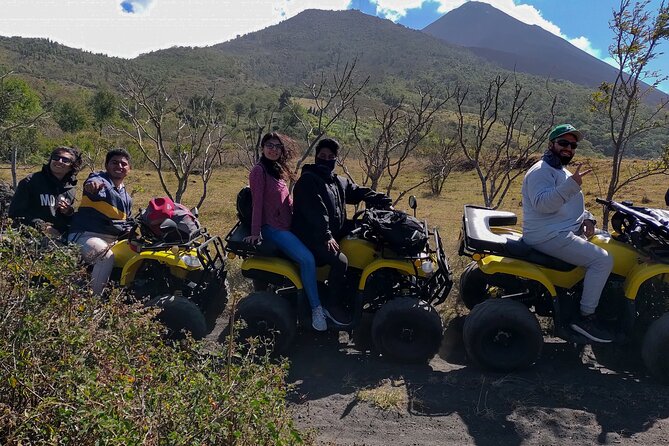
318	319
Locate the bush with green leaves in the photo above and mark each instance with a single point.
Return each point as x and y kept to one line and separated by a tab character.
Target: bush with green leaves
75	369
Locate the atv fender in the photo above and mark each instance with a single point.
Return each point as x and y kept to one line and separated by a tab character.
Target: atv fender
403	266
177	266
640	274
275	265
492	264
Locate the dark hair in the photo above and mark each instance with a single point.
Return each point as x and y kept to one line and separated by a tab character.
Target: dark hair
327	143
116	152
280	168
75	167
76	154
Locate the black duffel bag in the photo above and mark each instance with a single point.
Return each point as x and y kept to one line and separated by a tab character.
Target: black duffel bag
401	232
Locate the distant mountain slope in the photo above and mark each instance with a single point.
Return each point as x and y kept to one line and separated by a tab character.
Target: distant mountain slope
499	38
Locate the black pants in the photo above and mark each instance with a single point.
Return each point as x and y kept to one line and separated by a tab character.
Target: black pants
338	264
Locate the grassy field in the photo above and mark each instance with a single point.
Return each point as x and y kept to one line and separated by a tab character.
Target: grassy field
445	212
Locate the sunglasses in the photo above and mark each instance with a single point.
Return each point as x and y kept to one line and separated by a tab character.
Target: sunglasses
270	145
62	159
566	143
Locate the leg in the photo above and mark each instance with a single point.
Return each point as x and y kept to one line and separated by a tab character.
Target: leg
95	250
290	245
577	251
338	264
598	265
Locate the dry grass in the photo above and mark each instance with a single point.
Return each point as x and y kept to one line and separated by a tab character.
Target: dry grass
388	395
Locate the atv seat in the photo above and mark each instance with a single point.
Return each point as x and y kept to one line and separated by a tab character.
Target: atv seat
235	243
478	237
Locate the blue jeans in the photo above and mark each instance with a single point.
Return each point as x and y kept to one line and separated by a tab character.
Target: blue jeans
290	245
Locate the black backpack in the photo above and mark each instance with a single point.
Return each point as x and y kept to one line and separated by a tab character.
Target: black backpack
245	206
402	233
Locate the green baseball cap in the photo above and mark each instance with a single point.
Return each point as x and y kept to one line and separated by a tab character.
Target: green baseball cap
564	129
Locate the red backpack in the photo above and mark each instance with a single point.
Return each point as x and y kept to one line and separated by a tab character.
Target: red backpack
162	208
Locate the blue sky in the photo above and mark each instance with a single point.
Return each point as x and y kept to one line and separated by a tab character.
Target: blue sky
127	28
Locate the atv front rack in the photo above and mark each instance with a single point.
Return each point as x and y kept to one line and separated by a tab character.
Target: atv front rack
441	282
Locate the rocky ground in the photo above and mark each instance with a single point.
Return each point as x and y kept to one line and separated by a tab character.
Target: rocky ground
571	396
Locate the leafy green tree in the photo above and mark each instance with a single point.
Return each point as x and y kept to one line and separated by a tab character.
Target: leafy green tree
103	104
20	110
70	117
638	32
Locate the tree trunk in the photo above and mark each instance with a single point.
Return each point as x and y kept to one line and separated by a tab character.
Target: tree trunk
15	153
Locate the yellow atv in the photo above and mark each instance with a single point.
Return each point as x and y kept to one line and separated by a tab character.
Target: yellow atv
182	273
398	292
508	284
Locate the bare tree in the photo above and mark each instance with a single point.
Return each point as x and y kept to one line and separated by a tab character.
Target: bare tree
398	131
499	160
250	131
440	163
331	95
638	33
179	138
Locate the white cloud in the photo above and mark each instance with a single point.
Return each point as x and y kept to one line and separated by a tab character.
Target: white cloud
108	27
583	43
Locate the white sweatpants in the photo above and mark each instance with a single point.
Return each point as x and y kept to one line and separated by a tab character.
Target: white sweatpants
578	251
96	251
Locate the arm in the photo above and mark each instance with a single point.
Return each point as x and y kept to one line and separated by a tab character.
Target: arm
257	183
19	209
355	194
311	207
543	194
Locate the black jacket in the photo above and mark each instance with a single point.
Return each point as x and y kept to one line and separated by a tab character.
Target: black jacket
319	204
36	197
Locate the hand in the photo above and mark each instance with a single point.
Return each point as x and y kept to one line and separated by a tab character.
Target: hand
93	187
252	239
578	175
64	207
332	245
588	228
51	231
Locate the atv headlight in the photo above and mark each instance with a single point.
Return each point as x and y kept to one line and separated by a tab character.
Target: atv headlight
191	261
427	267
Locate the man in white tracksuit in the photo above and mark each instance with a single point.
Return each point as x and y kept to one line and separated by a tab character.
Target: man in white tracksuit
556	223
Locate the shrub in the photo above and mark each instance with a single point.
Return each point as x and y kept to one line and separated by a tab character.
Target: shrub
78	370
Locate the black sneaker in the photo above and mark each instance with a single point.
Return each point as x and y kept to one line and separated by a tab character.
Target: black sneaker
590	328
337	315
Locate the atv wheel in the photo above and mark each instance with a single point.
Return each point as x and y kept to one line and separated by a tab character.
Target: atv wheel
269	317
473	286
180	314
655	349
502	335
407	330
260	285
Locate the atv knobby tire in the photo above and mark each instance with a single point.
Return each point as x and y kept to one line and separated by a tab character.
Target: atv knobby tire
655	349
407	330
473	286
502	335
180	314
268	317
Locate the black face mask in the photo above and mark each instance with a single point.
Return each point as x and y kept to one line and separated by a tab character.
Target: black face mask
329	165
555	160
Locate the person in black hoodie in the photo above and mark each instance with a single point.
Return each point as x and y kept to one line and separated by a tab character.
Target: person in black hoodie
45	199
320	197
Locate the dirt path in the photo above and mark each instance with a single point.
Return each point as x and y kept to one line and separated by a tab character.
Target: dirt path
568	397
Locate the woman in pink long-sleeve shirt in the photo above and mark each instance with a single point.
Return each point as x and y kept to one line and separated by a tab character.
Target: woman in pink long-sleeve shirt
272	214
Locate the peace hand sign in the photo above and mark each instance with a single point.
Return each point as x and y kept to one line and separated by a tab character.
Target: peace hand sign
578	175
